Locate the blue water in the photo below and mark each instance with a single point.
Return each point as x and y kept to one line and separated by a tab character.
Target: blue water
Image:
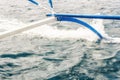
58	60
39	58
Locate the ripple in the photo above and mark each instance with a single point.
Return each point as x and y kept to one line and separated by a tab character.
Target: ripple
15	56
53	59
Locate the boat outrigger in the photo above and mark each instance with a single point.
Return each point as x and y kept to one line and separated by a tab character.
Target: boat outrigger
62	17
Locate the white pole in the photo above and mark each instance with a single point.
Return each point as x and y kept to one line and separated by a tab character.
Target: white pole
27	27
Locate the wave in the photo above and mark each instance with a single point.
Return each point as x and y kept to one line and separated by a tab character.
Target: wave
15	56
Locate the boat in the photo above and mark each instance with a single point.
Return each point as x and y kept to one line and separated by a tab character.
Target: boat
52	17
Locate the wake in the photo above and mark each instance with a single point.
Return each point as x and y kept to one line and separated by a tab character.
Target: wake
55	33
51	32
80	33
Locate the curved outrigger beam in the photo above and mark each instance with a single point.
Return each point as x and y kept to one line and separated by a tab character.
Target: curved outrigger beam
73	18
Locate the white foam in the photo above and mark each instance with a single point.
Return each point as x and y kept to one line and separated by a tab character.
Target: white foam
9	24
54	32
50	32
111	40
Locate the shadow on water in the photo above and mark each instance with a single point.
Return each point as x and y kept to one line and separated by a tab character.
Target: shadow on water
112	68
15	56
89	69
86	69
6	69
73	73
8	65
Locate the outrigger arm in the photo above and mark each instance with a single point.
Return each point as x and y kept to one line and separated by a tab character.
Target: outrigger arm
62	17
74	18
27	27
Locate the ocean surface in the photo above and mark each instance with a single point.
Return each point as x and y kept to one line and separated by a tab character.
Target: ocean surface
33	55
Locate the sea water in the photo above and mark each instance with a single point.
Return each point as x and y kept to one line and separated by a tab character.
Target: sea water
51	53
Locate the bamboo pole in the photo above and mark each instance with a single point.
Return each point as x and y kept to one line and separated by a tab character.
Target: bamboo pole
27	27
